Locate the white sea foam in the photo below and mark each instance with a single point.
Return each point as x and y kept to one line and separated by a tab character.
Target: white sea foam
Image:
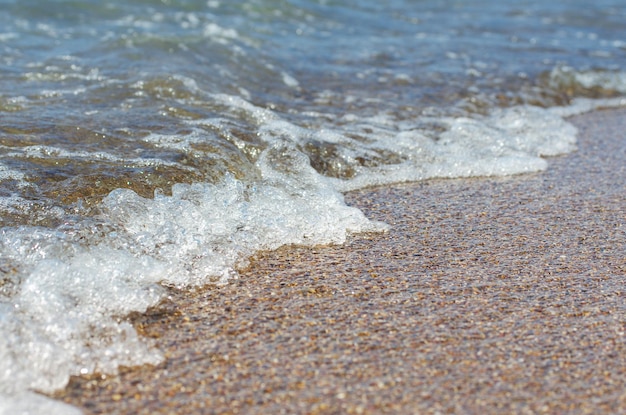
507	141
215	31
582	105
6	173
289	80
565	75
29	403
206	230
52	152
62	316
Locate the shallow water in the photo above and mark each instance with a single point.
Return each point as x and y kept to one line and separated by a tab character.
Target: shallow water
146	144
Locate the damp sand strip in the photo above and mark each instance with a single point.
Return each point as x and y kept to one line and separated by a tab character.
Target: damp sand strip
488	296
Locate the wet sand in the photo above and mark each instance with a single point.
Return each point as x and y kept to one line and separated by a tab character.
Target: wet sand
488	296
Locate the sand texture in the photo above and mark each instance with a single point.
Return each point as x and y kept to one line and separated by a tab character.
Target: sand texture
488	296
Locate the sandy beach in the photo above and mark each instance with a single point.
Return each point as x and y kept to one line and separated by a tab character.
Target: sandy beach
487	296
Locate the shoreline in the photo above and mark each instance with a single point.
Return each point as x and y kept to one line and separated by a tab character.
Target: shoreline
493	295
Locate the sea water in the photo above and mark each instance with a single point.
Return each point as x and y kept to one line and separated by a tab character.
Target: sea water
147	144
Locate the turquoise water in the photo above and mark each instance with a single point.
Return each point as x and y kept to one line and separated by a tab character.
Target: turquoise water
146	144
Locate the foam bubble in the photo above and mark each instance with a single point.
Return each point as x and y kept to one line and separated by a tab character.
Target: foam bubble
565	76
52	152
7	173
61	317
375	150
205	230
506	141
215	31
29	403
289	80
582	105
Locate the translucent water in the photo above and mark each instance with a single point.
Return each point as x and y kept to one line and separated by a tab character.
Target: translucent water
162	143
